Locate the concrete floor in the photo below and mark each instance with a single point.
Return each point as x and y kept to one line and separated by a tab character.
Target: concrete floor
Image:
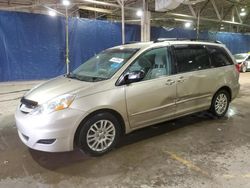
194	151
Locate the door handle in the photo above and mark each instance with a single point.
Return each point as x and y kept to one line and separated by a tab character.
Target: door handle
170	82
181	79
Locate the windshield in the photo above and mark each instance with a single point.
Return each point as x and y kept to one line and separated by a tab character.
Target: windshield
240	56
102	66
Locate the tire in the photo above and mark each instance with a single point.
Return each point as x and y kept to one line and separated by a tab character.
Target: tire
99	134
244	68
220	103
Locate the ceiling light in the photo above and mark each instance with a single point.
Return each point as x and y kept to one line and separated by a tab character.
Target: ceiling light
52	13
243	10
139	13
66	2
187	24
243	14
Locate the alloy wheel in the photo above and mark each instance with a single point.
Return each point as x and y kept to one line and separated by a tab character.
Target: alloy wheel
221	103
101	135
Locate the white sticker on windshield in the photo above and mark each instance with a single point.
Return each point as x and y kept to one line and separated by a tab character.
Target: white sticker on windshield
116	60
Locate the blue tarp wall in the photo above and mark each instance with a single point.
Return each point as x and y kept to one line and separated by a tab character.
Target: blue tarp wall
32	46
236	42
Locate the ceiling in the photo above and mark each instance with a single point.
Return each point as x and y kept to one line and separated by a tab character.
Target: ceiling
214	15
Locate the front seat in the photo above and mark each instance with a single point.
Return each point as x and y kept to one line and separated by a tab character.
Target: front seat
159	67
145	65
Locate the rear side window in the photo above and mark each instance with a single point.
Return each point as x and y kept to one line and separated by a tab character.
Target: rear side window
191	58
219	57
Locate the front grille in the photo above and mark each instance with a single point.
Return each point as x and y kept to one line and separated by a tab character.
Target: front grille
25	112
29	103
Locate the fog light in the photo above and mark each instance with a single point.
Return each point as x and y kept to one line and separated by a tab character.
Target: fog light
46	141
25	137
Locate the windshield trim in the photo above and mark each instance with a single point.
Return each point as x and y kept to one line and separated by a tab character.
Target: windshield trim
133	51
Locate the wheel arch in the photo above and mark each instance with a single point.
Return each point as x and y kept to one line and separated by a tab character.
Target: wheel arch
111	111
226	88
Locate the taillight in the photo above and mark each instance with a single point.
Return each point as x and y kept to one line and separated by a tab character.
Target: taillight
238	66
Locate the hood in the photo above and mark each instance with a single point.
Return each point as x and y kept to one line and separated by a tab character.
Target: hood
55	87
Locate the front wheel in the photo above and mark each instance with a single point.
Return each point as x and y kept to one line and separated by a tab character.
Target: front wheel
99	134
220	103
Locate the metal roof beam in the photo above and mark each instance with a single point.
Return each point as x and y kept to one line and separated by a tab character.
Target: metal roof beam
204	6
94	9
79	4
192	10
238	14
209	19
107	4
216	9
176	15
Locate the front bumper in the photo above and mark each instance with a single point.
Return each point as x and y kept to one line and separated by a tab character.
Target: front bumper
52	132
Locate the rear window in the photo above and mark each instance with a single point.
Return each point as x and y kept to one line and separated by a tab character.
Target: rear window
219	56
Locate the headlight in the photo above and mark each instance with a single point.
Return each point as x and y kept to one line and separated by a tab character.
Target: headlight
56	104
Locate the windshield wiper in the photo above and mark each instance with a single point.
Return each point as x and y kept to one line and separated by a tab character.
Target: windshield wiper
95	79
85	78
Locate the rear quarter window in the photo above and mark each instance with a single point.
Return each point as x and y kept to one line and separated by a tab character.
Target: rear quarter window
219	56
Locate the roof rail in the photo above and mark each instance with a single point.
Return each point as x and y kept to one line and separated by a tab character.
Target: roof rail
183	39
169	39
206	40
218	42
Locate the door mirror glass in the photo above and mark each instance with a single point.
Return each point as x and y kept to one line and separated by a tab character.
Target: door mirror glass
134	76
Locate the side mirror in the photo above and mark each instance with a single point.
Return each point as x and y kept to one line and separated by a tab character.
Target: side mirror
134	76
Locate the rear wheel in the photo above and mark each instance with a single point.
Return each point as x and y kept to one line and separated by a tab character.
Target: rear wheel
220	103
99	134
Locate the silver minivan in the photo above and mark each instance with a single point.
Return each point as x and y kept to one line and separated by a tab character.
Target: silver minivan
125	88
